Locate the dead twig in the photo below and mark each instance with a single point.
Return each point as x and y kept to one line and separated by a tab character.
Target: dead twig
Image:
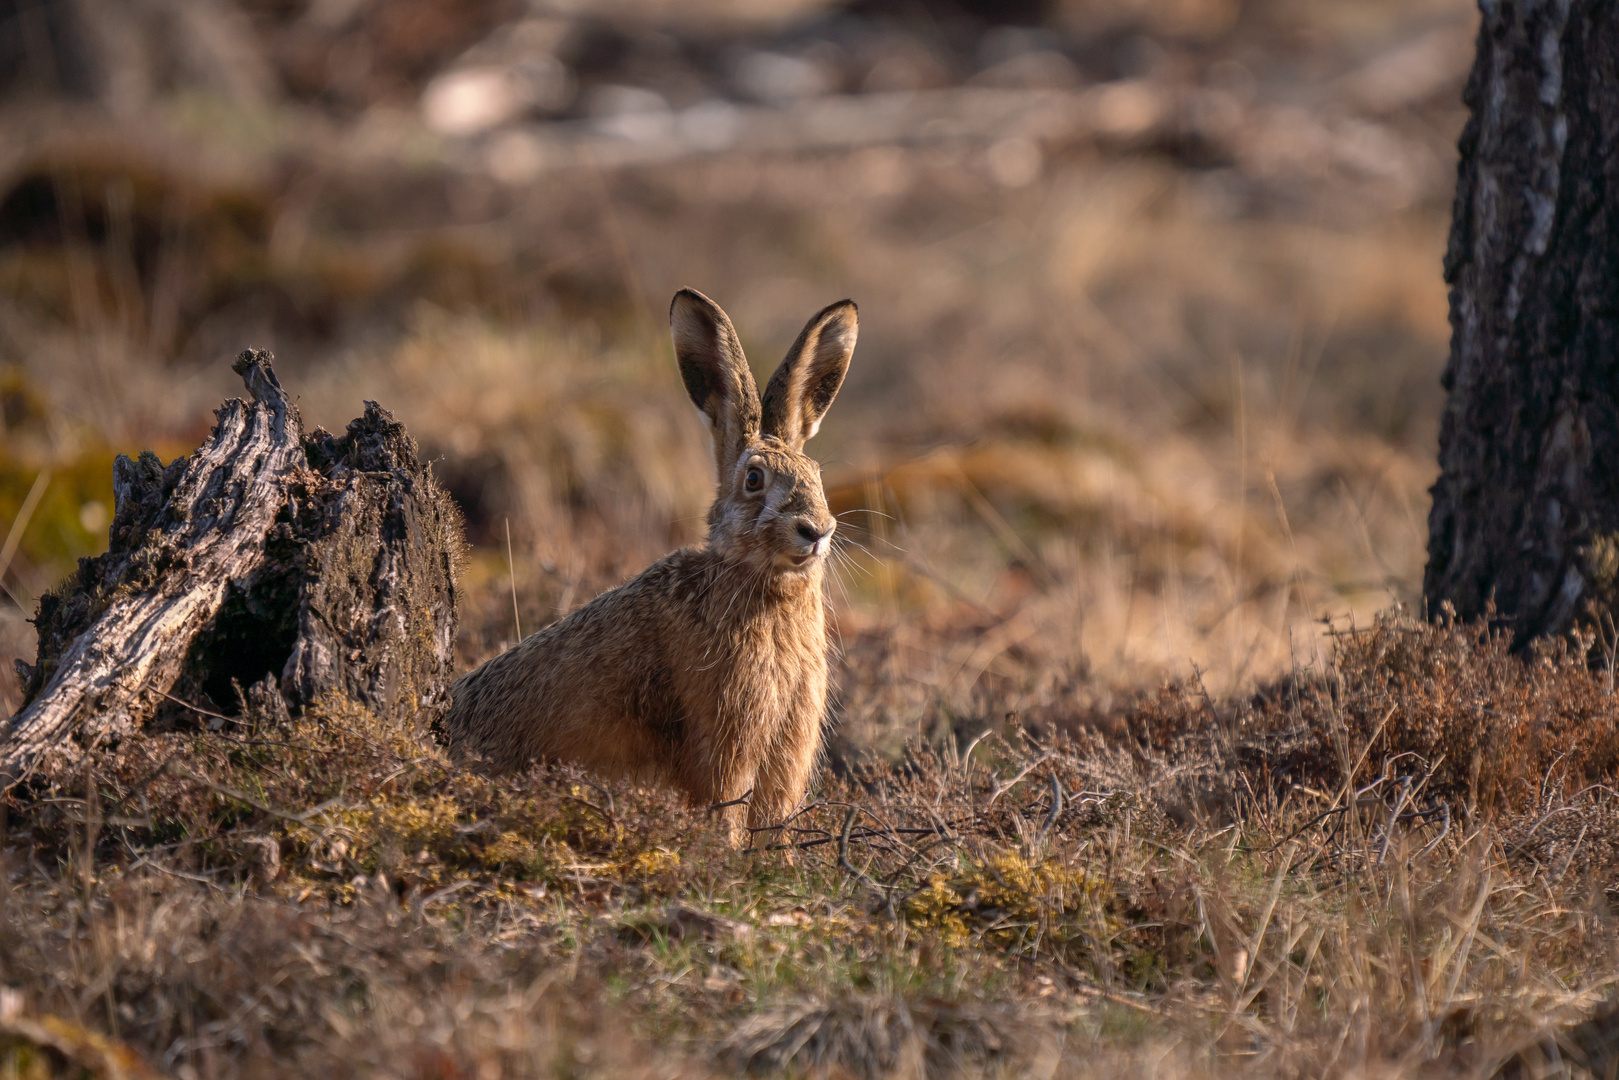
1056	806
606	814
859	875
1444	831
1394	817
1003	788
299	819
741	800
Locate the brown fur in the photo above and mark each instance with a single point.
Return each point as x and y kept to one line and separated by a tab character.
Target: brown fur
708	671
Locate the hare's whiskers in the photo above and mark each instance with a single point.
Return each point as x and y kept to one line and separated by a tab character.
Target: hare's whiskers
852	542
844	565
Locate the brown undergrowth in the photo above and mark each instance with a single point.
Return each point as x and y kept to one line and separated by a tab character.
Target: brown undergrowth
1400	864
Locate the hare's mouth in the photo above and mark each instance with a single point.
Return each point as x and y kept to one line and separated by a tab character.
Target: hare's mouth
795	559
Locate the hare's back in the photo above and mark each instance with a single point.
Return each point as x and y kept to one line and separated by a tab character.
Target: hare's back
594	687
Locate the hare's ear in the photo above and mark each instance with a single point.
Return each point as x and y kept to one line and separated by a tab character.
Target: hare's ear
716	373
803	387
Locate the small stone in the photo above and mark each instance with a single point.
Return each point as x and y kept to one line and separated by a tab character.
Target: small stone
264	856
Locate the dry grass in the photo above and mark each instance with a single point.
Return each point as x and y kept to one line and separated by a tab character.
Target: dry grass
1273	884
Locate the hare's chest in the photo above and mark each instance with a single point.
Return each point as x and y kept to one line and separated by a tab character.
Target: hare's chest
777	676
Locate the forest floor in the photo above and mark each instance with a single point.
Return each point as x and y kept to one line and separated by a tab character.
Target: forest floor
1137	766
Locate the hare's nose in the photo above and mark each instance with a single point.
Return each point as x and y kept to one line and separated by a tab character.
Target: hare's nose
813	534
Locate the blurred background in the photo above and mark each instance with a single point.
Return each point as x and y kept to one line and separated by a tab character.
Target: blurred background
1152	315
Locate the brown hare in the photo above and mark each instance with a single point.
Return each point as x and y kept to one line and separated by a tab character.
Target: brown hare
707	671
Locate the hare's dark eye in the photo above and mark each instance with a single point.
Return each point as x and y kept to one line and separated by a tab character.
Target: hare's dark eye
754	480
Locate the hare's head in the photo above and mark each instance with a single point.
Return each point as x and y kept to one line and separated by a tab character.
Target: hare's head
770	511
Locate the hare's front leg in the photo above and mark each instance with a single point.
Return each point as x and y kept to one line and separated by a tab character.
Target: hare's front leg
736	790
715	779
782	779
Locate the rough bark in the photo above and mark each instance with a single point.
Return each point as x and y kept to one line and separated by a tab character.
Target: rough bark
374	556
1526	508
269	561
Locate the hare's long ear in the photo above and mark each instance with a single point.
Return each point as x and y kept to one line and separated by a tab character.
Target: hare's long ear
803	387
716	374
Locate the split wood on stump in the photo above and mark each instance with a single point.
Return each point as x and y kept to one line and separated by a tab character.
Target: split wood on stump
270	564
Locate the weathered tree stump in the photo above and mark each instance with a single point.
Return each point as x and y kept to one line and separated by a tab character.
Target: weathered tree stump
295	565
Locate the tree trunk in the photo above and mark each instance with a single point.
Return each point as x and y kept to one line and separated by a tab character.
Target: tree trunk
269	562
1526	507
